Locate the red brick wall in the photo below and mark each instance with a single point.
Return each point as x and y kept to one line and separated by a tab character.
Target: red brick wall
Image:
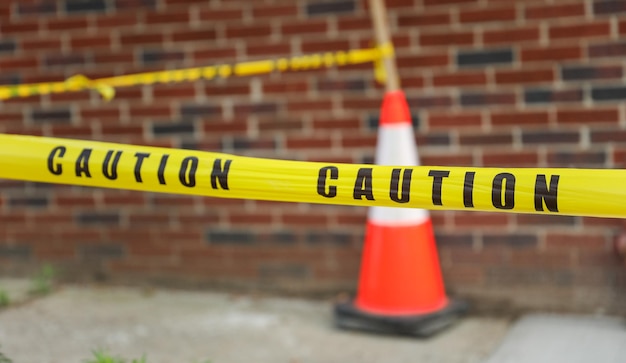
490	83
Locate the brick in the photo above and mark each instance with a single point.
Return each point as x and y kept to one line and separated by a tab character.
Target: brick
284	87
508	36
609	7
88	42
37	8
83	6
577	159
64	24
226	89
580	73
98	218
182	90
524	76
463	159
553	54
274	11
248	31
28	202
608	136
308	142
429	101
354	23
268	49
341	85
429	3
423	61
484	15
475	219
536	96
116	20
448	120
99	112
156	56
167	129
118	130
519	118
484	57
194	35
330	7
71	131
333	123
165	18
564	240
613	49
124	200
510	240
482	99
493	139
135	4
555	11
19	252
550	137
141	39
7	79
284	270
230	237
199	110
250	219
298	28
149	218
330	238
598	29
586	116
455	240
66	201
247	143
101	251
319	46
446	38
127	57
204	55
231	127
358	141
7	46
54	60
608	93
150	111
15	63
21	27
421	21
220	14
459	79
58	115
508	159
255	108
433	139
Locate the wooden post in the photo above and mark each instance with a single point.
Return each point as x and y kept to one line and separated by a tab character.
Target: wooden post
378	12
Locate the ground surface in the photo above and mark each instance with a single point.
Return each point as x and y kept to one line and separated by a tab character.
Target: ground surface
199	327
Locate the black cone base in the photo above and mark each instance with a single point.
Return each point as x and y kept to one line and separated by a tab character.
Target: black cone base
348	316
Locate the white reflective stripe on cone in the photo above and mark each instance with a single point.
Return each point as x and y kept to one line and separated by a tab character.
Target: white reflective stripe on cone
396	145
388	216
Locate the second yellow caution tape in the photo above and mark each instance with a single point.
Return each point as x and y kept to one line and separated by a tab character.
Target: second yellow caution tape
106	86
581	192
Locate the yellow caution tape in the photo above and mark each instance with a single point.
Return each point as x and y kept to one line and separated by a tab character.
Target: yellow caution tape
581	192
106	86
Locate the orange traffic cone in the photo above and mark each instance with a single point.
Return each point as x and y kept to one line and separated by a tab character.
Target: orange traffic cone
400	285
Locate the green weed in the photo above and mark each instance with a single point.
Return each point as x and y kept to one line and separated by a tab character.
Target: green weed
101	356
4	301
44	280
4	359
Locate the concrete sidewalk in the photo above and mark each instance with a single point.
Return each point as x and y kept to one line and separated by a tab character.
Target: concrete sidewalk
188	327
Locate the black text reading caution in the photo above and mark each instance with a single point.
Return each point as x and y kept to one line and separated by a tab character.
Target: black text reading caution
502	187
84	167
